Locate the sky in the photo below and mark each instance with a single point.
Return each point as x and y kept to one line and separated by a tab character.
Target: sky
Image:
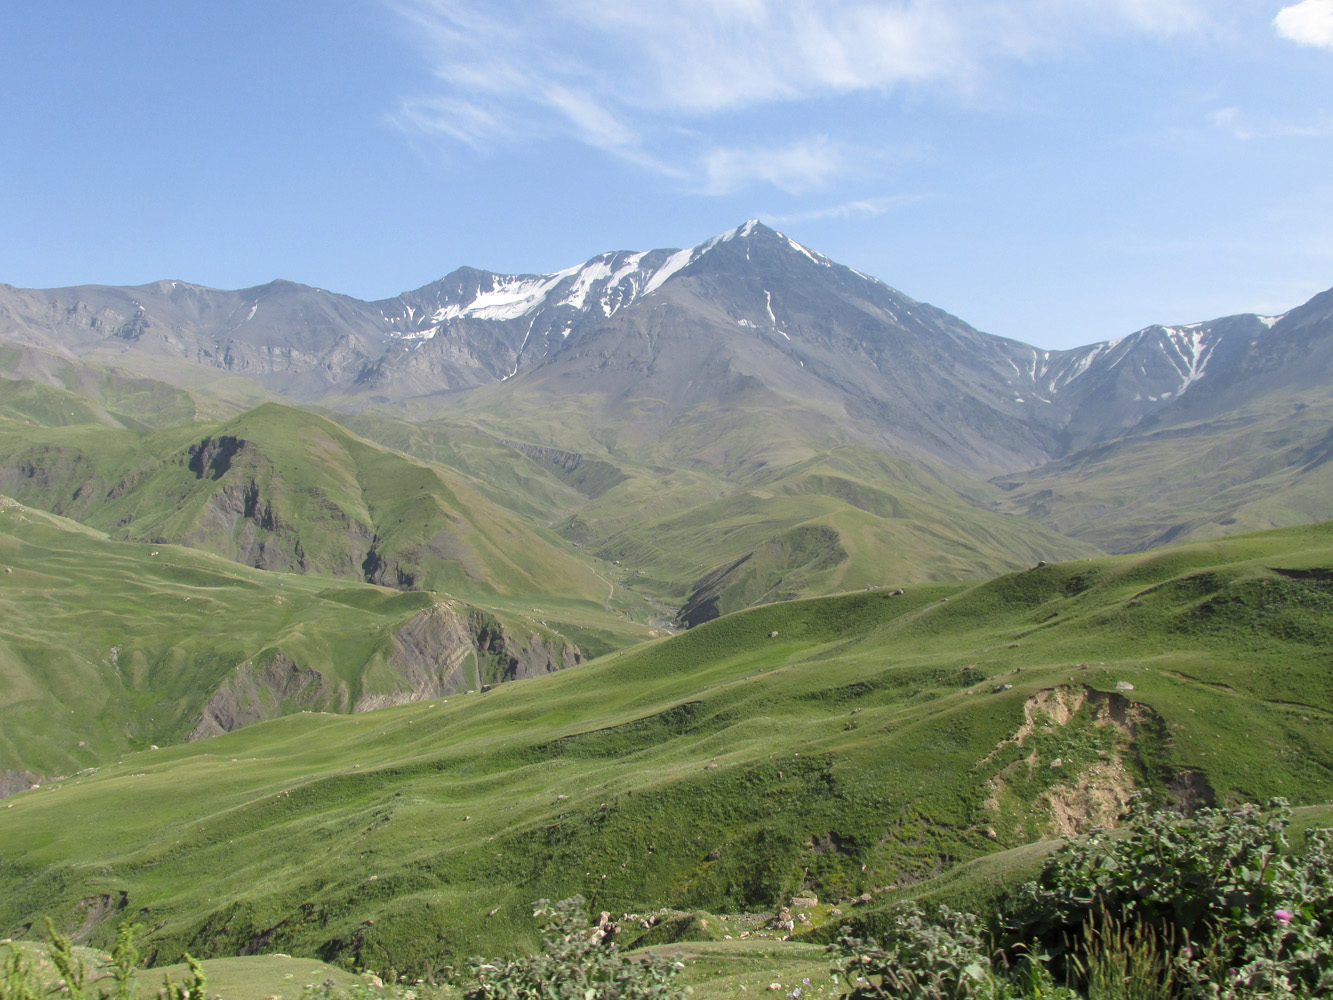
1056	171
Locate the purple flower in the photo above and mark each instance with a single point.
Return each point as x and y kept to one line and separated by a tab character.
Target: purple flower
1283	916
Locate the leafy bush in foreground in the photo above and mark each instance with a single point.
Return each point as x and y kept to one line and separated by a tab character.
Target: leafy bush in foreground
919	960
575	963
1208	907
1220	883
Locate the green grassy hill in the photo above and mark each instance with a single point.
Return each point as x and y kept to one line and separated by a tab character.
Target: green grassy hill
281	488
107	646
853	744
724	509
39	387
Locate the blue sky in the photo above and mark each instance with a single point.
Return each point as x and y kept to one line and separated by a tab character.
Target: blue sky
1057	171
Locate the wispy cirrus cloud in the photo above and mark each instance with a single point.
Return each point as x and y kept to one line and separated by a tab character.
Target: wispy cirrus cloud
659	84
1243	127
1307	23
862	208
796	168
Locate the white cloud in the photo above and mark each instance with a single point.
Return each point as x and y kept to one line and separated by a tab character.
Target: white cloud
456	118
1232	121
1307	23
863	208
796	168
635	76
1241	126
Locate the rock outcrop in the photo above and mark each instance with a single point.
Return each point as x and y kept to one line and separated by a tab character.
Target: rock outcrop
12	782
443	650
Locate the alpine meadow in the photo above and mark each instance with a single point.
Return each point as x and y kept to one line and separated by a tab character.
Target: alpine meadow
714	620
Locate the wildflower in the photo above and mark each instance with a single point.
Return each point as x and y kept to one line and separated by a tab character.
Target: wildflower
1283	916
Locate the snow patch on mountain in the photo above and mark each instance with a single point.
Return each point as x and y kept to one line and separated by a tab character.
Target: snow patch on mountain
519	356
1188	351
594	271
818	258
678	260
513	297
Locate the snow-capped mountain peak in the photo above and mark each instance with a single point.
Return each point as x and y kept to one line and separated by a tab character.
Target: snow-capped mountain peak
602	285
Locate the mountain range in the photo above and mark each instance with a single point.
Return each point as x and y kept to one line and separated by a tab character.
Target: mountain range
669	354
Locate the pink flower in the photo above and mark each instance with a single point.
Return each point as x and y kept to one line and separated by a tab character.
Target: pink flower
1283	916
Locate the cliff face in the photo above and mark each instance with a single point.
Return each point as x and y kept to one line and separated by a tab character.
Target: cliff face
16	781
255	692
440	651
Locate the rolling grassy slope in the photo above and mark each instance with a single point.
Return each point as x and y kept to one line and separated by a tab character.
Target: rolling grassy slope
726	507
281	488
870	744
107	646
47	389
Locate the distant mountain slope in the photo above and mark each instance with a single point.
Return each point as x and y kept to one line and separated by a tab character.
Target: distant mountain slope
1243	449
750	302
693	385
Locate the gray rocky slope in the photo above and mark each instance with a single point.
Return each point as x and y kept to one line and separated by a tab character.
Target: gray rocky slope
750	304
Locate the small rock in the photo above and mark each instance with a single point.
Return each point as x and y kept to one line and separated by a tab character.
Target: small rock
1124	686
1000	688
1058	762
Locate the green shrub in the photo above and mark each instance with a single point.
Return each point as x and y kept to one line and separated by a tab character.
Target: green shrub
919	960
73	974
1209	905
124	960
16	978
576	962
195	988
